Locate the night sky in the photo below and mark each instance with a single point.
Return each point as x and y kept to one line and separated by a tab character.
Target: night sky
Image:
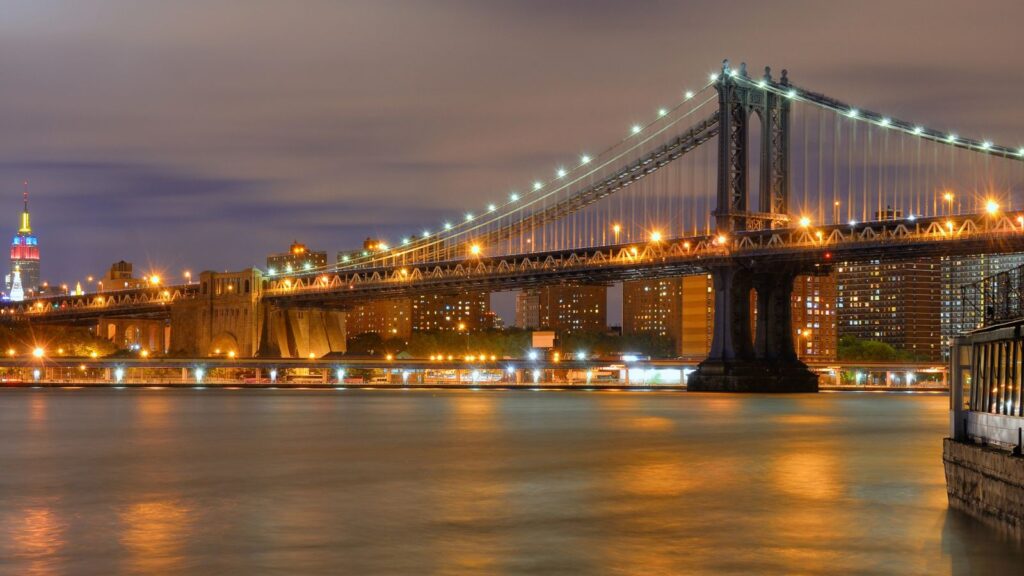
206	134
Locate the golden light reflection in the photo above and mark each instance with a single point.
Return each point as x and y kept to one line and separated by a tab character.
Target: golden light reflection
37	411
472	496
37	535
662	476
154	533
153	411
475	413
807	474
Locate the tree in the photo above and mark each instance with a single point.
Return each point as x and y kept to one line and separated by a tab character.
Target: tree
853	348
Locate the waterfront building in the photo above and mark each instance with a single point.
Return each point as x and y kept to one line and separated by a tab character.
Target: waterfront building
298	258
24	255
898	303
563	308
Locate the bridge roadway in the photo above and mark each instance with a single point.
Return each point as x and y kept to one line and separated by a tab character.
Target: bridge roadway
808	247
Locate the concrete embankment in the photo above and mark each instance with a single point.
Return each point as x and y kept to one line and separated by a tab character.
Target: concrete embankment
986	483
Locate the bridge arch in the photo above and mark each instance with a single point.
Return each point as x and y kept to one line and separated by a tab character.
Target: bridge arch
223	344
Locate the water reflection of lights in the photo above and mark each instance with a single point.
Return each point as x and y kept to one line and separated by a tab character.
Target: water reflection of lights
155	532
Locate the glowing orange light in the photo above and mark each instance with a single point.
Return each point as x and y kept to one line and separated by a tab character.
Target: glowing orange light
474	249
805	221
656	236
992	207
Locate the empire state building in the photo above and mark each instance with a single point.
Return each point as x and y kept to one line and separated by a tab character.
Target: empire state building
24	254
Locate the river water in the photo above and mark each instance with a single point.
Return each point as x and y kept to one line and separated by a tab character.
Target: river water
209	481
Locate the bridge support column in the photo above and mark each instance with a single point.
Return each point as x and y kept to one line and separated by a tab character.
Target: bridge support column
737	362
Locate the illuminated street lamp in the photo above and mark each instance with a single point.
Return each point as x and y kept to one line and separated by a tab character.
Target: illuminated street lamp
948	197
616	228
992	207
806	334
188	277
38	352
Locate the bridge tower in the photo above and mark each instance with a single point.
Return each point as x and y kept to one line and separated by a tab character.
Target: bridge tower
765	361
738	101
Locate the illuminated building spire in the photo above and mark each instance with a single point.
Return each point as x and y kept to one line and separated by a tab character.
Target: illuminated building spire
26	227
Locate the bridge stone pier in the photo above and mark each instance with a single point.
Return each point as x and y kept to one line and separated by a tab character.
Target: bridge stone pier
765	361
229	317
302	332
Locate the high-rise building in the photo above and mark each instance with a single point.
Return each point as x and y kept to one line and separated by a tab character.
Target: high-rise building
467	311
528	309
463	312
959	316
24	254
898	303
298	258
814	317
391	318
681	308
563	308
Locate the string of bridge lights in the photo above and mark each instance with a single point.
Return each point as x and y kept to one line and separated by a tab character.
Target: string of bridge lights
514	199
876	119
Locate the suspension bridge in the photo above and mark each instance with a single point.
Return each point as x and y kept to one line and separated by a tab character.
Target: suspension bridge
750	178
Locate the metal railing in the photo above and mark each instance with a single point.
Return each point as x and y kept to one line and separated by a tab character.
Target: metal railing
993	300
